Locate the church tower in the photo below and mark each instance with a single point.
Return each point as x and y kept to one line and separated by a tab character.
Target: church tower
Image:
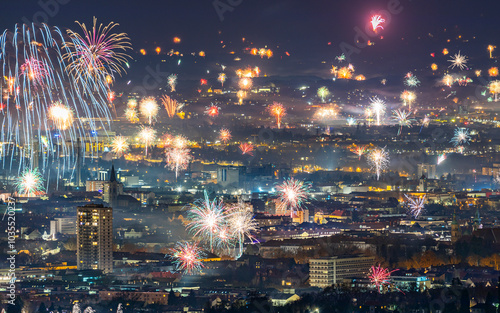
112	189
477	221
455	230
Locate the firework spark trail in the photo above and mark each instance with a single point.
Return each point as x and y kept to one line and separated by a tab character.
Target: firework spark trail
187	257
441	158
241	223
278	111
293	193
415	205
170	105
206	219
97	54
380	277
178	159
379	160
38	76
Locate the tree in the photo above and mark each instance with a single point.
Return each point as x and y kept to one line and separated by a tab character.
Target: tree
172	298
42	308
70	245
464	301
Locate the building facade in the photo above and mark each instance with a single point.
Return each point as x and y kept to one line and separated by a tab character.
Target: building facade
95	238
63	225
325	272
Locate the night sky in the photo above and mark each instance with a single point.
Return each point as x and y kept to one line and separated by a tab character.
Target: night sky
302	28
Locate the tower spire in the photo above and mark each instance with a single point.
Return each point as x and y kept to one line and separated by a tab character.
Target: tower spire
112	175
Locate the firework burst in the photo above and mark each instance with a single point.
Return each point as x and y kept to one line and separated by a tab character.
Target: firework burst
448	80
132	103
131	115
97	54
379	160
411	80
380	277
461	136
34	70
246	148
222	78
170	105
206	219
458	61
494	88
293	193
149	108
323	92
415	205
493	72
327	114
241	94
441	158
225	135
187	257
359	151
402	118
278	111
241	223
172	82
408	98
119	145
212	110
351	121
245	83
148	137
378	108
61	116
344	73
30	183
178	159
376	21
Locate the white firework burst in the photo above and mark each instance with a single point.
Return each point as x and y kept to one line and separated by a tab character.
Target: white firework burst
379	160
411	80
415	205
461	136
459	61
